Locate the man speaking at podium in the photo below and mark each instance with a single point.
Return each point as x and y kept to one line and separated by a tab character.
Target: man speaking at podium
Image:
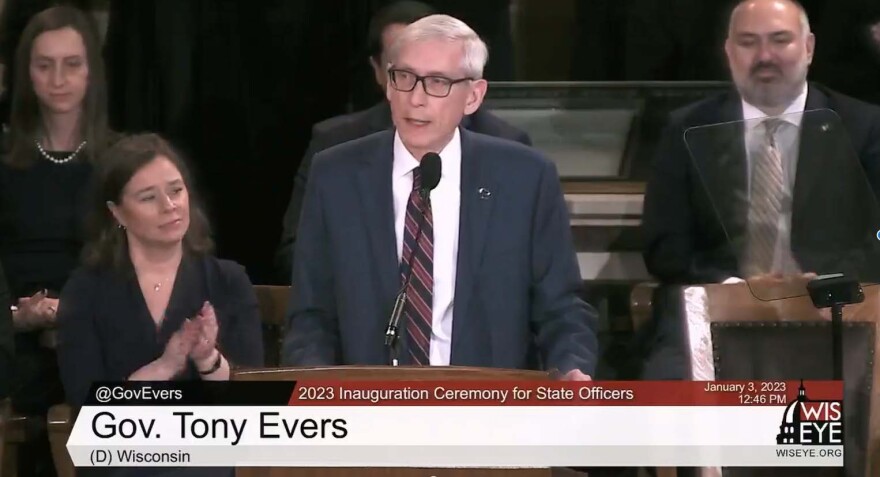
457	242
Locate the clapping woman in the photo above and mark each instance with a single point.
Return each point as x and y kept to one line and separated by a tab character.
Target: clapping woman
151	302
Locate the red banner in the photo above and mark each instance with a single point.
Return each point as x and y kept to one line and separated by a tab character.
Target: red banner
561	393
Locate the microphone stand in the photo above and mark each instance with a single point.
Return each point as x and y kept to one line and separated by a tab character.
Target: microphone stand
392	331
837	341
835	291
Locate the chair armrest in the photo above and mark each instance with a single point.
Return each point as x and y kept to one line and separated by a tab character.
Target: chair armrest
60	423
5	415
640	303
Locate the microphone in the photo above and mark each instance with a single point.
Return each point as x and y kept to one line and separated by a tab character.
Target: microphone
430	169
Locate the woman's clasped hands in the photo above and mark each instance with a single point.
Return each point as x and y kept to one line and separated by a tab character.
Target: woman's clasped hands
196	340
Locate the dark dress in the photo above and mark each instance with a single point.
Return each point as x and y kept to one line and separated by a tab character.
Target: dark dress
42	210
106	332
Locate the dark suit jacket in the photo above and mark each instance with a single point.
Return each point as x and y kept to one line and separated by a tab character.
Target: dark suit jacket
106	332
693	217
345	128
517	282
6	337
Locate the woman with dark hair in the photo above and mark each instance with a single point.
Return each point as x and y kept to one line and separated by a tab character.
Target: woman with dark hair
151	302
57	129
13	19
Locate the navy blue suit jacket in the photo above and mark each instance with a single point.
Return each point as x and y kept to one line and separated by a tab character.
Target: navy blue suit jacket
517	284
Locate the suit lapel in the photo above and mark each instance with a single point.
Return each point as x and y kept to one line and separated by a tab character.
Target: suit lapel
813	146
377	206
719	155
479	191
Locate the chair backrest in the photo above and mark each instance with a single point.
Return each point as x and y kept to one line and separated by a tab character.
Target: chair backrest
5	415
273	300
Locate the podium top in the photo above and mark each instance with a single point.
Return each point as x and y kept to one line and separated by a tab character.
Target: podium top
388	373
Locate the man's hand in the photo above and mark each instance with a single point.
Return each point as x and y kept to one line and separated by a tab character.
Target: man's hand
774	286
35	312
575	375
772	278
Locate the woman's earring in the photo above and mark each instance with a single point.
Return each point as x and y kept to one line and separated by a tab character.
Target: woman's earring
120	226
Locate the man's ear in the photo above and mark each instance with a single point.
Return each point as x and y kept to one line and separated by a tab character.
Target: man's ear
811	47
378	72
476	95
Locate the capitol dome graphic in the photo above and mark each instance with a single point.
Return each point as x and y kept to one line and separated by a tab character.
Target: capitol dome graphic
811	422
791	420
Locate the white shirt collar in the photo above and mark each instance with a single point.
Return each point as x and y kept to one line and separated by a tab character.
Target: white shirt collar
450	156
751	112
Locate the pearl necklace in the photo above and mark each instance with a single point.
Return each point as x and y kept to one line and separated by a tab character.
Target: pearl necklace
63	160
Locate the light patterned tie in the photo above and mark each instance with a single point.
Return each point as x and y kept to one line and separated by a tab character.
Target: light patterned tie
765	204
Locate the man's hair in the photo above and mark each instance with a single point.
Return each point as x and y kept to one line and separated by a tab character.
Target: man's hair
445	27
403	12
805	20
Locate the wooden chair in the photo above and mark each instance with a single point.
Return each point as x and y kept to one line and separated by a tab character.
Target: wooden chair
14	430
273	310
641	302
5	415
60	423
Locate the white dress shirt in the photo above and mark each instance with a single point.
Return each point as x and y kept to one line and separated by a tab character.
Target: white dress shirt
445	201
787	139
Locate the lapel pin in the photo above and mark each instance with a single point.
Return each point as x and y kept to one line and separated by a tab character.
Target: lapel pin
826	127
484	193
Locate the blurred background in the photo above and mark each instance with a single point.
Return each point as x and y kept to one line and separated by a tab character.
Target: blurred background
238	84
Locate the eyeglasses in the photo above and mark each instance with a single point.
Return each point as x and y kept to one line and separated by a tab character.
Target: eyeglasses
436	86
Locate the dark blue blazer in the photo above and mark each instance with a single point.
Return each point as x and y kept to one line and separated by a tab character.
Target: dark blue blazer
517	284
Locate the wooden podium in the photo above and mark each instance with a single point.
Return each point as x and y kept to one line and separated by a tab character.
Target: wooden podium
731	334
388	373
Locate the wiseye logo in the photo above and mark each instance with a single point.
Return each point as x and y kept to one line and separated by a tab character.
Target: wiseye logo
811	423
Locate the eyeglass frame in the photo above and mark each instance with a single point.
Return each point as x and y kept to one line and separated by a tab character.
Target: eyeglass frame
421	79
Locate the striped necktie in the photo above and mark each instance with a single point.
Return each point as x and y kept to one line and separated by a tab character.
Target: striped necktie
765	204
418	311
